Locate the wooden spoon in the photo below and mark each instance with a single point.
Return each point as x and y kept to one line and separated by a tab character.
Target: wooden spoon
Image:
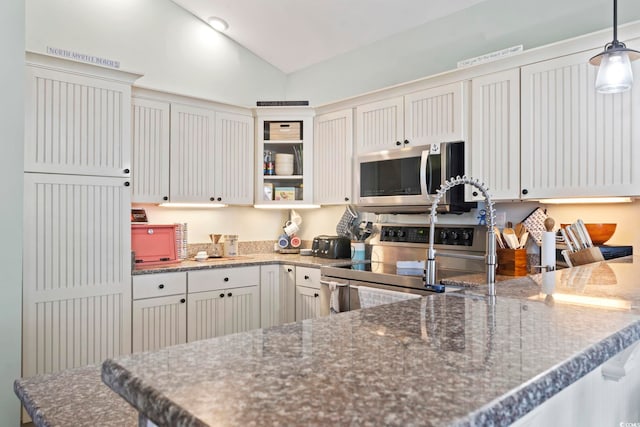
520	229
510	237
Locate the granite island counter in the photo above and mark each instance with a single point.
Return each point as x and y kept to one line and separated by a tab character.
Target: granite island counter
454	359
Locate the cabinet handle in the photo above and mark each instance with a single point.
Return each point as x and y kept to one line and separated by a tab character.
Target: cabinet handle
229	294
406	142
289	270
161	286
126	171
182	300
306	277
398	143
222	295
525	191
127	183
316	295
475	194
226	279
165	198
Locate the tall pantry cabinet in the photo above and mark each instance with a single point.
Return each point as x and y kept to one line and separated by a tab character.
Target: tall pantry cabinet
77	251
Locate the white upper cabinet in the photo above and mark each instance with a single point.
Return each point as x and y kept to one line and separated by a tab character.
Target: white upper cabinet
435	115
493	152
333	158
234	158
192	154
380	125
150	151
284	150
76	122
425	117
575	141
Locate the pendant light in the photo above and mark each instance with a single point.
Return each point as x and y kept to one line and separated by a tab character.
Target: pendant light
615	74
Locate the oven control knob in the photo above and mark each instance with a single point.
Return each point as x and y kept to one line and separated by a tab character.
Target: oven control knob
454	235
392	233
401	233
466	235
444	235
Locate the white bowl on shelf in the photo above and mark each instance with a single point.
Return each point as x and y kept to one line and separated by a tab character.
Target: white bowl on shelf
284	169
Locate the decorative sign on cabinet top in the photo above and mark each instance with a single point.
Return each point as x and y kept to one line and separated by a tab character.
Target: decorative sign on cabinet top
83	57
488	57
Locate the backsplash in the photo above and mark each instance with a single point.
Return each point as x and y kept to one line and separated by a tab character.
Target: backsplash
250	247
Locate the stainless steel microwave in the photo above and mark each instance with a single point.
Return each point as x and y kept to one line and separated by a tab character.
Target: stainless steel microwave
407	179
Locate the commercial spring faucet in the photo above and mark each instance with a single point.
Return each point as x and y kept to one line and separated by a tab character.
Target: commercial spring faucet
490	255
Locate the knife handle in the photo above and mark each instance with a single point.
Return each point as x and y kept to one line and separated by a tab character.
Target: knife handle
563	233
587	237
573	238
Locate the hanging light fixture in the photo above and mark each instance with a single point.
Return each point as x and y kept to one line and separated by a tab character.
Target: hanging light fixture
615	74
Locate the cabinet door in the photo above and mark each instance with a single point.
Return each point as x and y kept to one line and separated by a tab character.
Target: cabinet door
192	154
234	159
159	322
333	158
380	125
205	315
575	141
494	150
77	271
436	115
277	295
150	151
242	309
307	303
76	124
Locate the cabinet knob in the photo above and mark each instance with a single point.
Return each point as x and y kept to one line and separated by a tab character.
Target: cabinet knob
219	199
212	199
346	199
182	300
316	295
398	143
406	142
161	286
126	171
222	295
289	270
525	191
165	198
226	279
475	194
306	277
229	294
127	183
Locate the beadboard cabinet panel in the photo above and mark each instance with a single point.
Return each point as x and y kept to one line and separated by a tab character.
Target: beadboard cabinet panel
494	149
234	159
77	271
277	295
159	322
150	153
307	303
192	154
380	125
333	158
575	141
76	124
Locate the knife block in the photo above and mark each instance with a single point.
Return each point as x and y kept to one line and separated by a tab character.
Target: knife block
585	256
512	262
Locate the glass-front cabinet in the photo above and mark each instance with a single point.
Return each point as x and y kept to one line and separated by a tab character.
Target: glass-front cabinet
284	156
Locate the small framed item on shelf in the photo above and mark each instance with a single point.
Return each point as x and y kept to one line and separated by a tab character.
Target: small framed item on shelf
268	191
285	193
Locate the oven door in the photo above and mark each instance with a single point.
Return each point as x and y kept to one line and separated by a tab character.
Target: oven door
406	176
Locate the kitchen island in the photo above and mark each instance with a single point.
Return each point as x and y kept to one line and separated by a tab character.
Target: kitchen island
454	359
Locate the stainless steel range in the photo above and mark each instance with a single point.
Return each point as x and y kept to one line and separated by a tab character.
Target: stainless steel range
397	255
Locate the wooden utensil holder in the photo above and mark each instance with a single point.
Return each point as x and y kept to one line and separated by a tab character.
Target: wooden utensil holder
512	262
585	256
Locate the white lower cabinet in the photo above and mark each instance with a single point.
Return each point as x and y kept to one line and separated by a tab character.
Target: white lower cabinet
307	293
159	311
277	295
222	301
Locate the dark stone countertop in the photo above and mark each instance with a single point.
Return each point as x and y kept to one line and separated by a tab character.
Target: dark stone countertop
445	359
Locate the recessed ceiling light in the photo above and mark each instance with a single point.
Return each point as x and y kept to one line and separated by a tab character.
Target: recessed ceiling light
218	24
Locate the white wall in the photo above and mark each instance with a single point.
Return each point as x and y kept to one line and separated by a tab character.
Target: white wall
11	161
175	51
437	46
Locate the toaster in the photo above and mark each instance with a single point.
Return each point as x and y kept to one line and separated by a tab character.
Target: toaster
331	247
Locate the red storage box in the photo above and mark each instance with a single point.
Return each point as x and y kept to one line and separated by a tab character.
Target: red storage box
153	244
